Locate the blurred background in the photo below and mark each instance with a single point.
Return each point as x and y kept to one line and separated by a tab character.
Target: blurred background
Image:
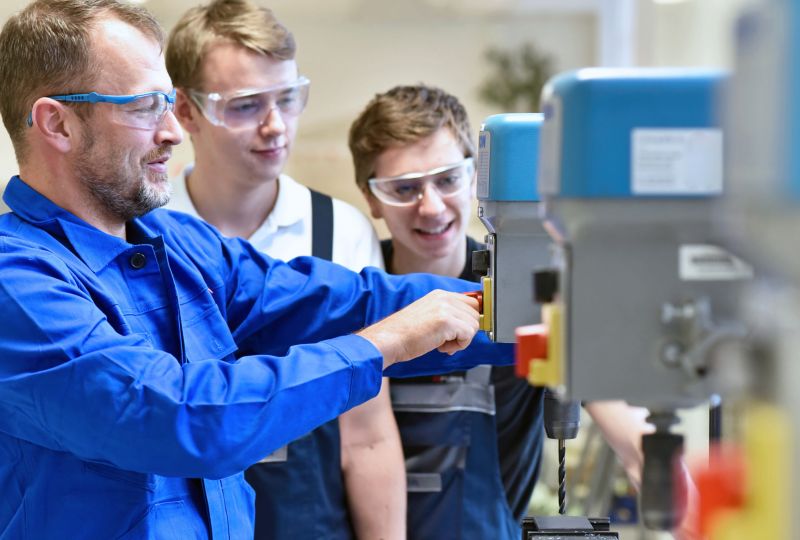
494	55
489	53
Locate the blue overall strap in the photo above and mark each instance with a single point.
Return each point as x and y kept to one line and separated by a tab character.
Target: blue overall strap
321	226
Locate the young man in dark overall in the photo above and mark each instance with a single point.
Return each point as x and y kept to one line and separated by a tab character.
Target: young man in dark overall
472	440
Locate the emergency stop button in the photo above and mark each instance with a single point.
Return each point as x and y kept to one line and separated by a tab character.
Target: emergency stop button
477	295
531	345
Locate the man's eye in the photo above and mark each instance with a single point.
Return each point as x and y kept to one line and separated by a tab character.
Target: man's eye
406	189
448	180
143	106
287	100
244	106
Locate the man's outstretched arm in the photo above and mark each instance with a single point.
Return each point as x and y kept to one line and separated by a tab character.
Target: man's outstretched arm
440	320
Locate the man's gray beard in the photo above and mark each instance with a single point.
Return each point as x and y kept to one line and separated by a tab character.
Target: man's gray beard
111	197
109	190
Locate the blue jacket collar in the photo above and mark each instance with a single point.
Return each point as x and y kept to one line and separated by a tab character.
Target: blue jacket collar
96	248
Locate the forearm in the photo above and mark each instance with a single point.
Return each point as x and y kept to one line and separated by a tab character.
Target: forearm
210	419
279	317
622	427
270	308
373	469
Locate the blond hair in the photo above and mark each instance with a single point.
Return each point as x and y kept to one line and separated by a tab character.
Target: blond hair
234	21
45	49
403	116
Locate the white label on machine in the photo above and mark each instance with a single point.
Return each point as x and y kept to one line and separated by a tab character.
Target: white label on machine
705	262
676	161
484	150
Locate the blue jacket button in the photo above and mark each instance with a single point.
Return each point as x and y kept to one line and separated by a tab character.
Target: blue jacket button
138	260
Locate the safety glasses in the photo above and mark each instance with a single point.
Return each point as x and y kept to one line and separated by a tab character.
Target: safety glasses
250	108
407	189
140	111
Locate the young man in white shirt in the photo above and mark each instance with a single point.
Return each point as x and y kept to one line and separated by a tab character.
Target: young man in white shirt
239	99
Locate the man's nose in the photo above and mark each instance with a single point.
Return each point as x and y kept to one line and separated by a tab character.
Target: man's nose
169	130
431	202
273	123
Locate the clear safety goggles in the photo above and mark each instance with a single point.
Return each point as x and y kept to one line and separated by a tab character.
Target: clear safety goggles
407	189
249	108
140	111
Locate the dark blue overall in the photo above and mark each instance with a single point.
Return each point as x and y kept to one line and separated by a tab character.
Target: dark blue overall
449	438
299	488
472	443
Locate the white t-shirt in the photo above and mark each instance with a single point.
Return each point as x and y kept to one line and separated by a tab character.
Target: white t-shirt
286	233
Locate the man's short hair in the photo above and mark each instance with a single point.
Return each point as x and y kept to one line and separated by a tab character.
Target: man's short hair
403	116
45	49
241	22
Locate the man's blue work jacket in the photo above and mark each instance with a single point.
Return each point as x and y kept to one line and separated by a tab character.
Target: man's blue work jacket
139	378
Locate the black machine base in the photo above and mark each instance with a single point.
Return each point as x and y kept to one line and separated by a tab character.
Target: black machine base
566	527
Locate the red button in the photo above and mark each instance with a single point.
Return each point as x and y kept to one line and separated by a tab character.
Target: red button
531	345
477	295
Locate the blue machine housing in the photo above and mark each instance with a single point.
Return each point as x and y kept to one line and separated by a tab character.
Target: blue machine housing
508	151
592	112
794	70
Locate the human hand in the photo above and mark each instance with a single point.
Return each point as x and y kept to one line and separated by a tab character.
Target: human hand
439	320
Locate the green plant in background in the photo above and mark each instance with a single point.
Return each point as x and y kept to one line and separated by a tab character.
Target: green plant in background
515	83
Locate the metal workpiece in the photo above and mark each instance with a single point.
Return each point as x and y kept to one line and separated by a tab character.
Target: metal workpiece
517	244
566	528
644	303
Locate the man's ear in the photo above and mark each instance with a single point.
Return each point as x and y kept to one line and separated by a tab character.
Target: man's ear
375	208
56	124
185	111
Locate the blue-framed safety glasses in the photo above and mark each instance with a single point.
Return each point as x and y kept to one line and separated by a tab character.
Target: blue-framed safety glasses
140	111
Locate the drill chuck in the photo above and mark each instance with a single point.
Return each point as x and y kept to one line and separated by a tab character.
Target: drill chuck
561	418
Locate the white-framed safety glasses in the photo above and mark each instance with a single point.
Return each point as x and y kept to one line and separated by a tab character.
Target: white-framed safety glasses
407	189
249	108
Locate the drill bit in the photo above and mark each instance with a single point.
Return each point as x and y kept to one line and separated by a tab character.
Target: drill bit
562	477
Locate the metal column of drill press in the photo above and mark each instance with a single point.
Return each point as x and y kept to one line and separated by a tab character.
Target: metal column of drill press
517	244
630	164
509	208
